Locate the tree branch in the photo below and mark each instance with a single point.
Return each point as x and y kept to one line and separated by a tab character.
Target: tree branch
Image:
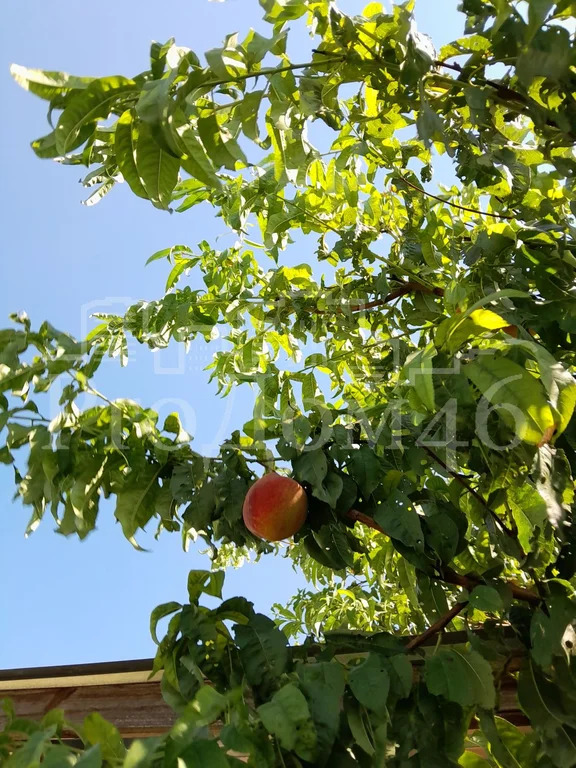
456	205
402	290
479	498
267	71
366	520
502	90
469	582
438	626
447	575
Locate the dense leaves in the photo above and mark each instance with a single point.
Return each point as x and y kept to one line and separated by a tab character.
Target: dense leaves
414	371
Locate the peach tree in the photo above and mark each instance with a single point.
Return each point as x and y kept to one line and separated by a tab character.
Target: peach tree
413	370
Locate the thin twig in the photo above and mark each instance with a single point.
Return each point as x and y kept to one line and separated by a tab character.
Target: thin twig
423	191
438	626
312	216
455	67
267	71
456	205
33	420
472	491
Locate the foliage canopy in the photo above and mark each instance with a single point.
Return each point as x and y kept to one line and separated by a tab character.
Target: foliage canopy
414	373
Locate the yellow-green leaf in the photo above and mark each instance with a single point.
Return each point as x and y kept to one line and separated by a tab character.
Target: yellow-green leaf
519	397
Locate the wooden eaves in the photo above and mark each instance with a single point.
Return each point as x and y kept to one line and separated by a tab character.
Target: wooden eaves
122	693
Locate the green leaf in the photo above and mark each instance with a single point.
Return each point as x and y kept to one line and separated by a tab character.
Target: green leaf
505	741
454	332
323	685
330	489
401	675
135	506
558	382
486	599
97	731
326	557
539	699
173	426
236	609
311	467
203	754
59	756
154	108
92	758
399	519
180	266
46	84
529	512
263	649
88	106
465	678
198	513
335	547
370	683
125	141
287	717
45	146
169	253
196	161
247	113
366	469
548	56
554	482
142	753
419	368
30	755
159	613
158	170
565	405
550	630
158	54
519	397
429	124
355	716
470	760
444	535
222	149
208	705
205	583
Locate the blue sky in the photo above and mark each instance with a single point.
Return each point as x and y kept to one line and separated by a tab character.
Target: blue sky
64	601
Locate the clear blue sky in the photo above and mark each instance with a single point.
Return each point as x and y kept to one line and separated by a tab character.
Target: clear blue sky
64	601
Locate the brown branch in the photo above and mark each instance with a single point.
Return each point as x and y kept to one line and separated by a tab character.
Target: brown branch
455	67
479	498
366	520
447	575
456	205
469	582
503	91
438	626
402	290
